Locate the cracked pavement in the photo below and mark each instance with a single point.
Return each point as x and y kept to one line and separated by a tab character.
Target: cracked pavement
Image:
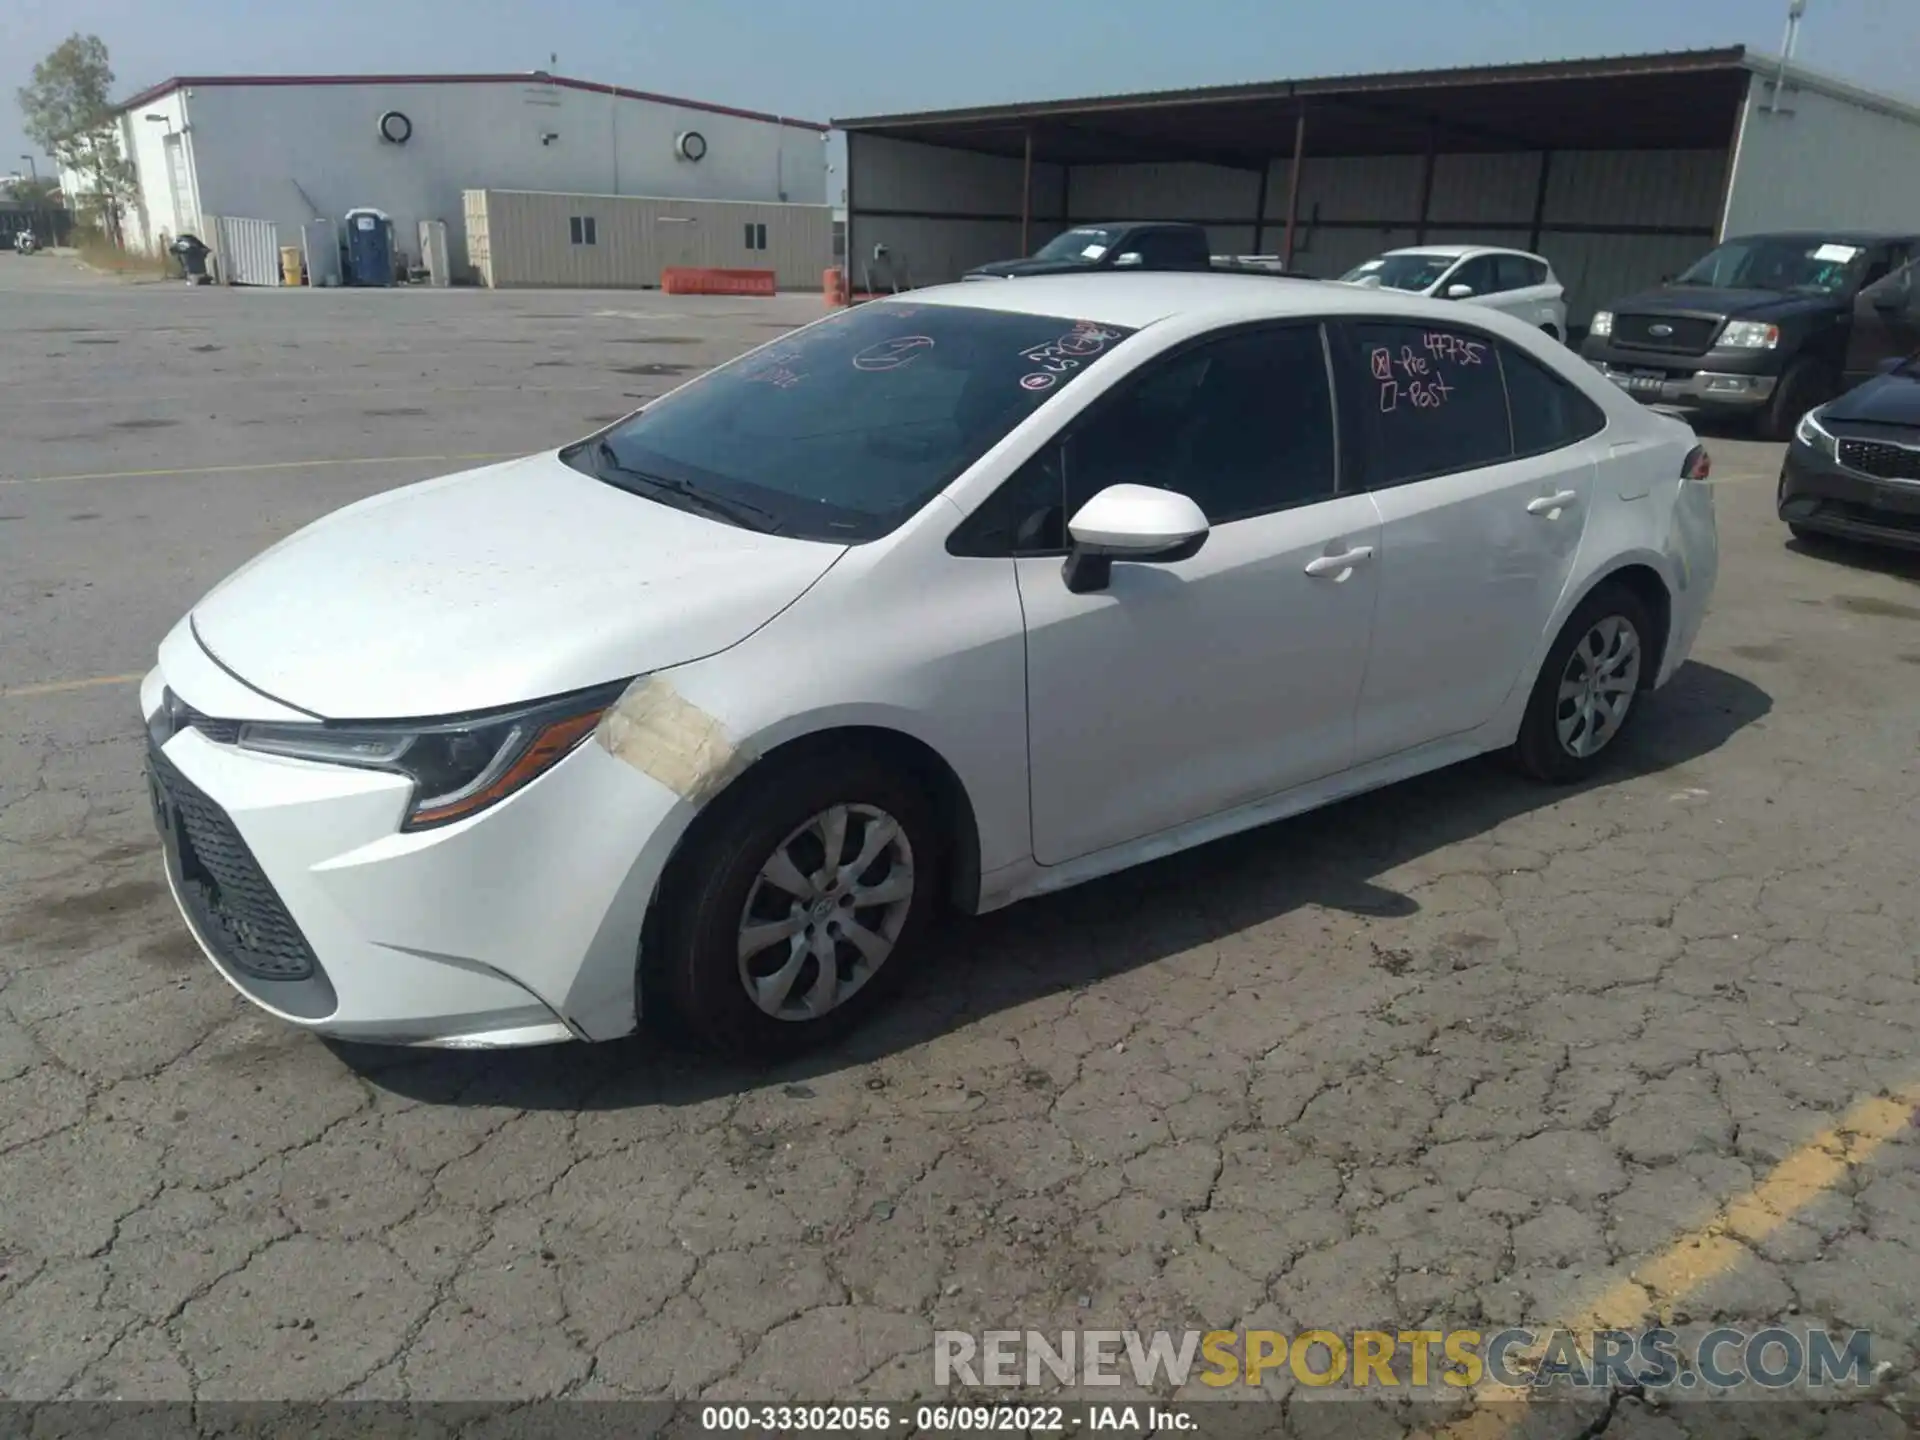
1463	1052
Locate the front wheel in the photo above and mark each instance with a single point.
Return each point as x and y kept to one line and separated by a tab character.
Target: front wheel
1804	385
1587	688
800	906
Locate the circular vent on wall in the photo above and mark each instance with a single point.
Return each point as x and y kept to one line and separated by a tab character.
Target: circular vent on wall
395	128
690	145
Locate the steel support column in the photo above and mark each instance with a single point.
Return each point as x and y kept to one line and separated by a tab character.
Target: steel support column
1293	181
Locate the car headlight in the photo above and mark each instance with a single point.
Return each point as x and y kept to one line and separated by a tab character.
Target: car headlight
1601	325
458	767
1750	335
1815	436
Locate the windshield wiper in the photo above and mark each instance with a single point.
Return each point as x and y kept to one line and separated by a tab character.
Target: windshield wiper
739	512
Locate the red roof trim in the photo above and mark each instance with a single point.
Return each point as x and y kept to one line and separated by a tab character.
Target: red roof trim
179	82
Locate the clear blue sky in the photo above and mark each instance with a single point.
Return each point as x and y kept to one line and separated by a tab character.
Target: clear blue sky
821	60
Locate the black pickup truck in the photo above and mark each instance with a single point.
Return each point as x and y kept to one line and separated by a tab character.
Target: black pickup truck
1124	245
1758	327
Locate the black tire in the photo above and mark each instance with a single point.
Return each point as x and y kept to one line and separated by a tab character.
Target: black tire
695	966
1538	750
1803	534
1804	386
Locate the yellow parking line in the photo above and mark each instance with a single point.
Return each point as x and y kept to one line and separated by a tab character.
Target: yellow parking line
1708	1252
58	687
244	469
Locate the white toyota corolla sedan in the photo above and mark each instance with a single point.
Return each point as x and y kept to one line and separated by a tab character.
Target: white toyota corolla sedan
945	600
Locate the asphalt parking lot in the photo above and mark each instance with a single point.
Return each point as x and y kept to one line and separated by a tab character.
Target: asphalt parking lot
1467	1051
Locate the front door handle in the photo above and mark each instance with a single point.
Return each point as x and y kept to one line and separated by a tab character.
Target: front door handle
1340	566
1552	505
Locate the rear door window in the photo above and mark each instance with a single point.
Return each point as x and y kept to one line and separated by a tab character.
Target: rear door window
1434	401
1516	272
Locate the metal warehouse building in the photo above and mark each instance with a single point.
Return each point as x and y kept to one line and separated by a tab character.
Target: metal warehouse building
1620	171
286	149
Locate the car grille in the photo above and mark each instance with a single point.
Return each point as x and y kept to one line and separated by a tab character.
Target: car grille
175	715
236	908
1875	457
1690	334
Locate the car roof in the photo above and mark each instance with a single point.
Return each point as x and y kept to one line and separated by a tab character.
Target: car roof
1138	298
1459	252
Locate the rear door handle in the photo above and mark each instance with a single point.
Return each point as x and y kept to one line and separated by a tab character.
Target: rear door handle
1340	566
1551	505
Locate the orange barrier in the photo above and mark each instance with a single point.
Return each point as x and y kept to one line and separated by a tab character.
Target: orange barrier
833	286
688	280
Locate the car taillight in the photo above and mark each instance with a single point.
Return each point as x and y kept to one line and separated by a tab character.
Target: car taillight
1698	464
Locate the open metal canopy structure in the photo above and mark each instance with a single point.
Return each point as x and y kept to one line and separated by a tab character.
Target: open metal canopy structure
1652	150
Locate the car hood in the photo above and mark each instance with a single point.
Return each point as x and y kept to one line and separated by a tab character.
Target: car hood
1008	269
1768	305
1892	399
492	587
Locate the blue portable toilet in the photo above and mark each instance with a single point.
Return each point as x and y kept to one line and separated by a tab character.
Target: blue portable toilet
369	247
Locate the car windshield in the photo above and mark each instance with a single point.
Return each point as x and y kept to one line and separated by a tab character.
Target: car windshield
1819	267
842	430
1400	272
1087	243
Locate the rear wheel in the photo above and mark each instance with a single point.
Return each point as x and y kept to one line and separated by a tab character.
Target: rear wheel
790	918
1587	689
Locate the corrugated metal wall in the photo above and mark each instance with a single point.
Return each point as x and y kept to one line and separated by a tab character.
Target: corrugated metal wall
533	238
1610	221
1824	160
939	212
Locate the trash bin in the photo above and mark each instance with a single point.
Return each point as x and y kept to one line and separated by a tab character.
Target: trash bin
292	266
192	255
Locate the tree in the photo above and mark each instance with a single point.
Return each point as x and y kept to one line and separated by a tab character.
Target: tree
37	192
69	115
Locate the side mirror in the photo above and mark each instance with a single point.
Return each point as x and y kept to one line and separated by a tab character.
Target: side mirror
1458	291
1897	296
1130	522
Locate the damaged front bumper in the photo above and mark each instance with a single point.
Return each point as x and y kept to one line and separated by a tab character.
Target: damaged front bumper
517	926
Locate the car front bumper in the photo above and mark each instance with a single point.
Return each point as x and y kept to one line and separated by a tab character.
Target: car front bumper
1725	381
518	926
1818	493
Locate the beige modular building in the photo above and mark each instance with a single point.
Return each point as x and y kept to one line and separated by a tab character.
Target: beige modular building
523	238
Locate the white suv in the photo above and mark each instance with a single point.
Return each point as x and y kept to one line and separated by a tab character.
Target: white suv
1515	281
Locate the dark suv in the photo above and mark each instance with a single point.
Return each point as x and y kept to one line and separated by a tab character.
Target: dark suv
1119	245
1758	327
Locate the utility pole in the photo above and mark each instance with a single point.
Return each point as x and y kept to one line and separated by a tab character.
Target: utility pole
1796	11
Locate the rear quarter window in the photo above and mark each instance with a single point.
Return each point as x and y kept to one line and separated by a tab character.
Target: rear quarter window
1548	412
